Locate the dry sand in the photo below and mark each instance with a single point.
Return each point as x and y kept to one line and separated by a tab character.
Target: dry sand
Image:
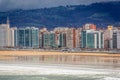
34	52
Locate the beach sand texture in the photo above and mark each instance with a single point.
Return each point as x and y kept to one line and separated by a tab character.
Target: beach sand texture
34	52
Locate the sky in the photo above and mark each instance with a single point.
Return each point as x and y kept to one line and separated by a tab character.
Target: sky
35	4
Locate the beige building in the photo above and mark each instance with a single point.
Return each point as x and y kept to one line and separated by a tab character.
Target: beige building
108	39
11	37
72	38
58	31
78	37
6	35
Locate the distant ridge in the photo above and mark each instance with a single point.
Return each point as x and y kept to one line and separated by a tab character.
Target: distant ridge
101	14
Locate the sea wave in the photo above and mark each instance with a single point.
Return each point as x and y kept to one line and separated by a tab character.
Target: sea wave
110	78
48	70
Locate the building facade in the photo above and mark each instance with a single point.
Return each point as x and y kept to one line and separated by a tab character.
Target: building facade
62	40
92	39
116	39
6	35
89	26
47	40
26	37
108	39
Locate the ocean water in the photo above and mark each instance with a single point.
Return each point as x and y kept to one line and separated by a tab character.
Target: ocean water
59	68
55	77
52	77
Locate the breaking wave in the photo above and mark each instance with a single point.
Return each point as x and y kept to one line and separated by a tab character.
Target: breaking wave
46	70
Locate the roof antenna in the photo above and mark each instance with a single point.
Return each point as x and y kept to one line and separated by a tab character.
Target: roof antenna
8	21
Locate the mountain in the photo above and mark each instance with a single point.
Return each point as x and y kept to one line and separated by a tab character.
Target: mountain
101	14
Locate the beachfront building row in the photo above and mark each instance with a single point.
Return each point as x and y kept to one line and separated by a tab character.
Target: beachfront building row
18	37
60	37
72	38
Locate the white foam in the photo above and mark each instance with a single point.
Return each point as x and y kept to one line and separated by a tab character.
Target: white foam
46	70
110	78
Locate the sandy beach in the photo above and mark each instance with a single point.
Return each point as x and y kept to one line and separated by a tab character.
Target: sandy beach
35	52
83	66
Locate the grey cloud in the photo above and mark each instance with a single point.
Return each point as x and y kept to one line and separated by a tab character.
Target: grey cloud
33	4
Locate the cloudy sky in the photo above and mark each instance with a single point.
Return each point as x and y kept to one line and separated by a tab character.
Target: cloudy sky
33	4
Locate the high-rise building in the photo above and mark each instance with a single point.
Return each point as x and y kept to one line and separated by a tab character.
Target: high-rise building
41	37
71	38
5	35
48	40
60	36
57	38
92	39
78	37
52	39
116	39
108	39
11	37
62	40
27	37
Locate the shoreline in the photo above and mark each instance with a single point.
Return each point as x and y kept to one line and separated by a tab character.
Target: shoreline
37	53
